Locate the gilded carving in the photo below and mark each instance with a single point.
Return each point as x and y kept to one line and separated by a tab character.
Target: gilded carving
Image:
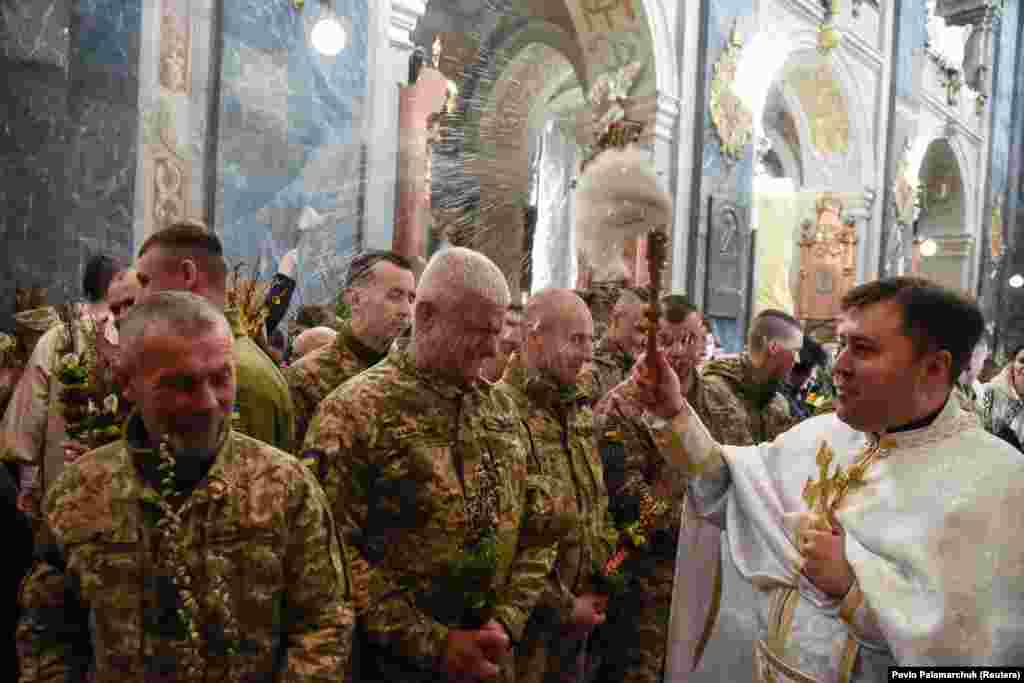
731	118
828	250
175	68
606	10
825	106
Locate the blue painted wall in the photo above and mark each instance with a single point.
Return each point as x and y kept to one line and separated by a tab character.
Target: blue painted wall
717	177
721	15
913	15
292	140
1003	88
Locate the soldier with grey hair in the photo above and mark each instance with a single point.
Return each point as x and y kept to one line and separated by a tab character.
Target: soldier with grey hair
185	551
450	539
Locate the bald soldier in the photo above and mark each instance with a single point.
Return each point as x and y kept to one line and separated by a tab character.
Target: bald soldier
542	381
616	353
313	339
187	256
450	538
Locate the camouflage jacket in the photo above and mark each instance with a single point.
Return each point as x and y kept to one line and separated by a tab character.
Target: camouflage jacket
634	466
444	527
255	530
263	406
313	377
744	412
560	427
609	368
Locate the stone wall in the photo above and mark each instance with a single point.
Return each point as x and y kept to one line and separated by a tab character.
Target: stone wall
68	140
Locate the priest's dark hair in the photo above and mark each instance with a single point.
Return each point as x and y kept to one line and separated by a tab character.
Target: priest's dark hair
934	317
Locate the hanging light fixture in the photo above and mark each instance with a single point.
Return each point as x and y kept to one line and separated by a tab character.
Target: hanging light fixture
929	247
1017	281
328	35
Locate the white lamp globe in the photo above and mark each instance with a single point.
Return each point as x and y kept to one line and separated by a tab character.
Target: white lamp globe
929	248
328	36
1017	281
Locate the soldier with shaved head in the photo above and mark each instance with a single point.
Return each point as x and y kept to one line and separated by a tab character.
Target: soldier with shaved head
616	352
542	382
744	392
450	537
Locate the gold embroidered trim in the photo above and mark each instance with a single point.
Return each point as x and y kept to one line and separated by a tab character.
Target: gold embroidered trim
770	662
850	652
851	602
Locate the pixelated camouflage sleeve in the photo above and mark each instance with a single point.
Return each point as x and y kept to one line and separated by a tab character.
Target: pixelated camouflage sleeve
318	615
303	401
548	516
336	450
541	530
624	447
52	632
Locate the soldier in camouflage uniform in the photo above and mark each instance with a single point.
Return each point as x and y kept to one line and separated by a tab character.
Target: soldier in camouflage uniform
450	541
634	468
186	551
379	291
742	392
614	355
187	256
541	380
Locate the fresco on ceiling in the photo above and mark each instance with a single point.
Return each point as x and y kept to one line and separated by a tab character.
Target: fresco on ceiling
824	106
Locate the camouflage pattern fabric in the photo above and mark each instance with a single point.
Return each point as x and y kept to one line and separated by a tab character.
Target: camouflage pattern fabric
444	525
745	412
609	368
313	377
637	626
560	427
257	528
263	405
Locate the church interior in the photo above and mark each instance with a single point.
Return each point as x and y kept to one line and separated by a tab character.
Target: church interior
808	145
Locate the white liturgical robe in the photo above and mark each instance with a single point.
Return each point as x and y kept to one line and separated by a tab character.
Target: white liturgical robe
931	535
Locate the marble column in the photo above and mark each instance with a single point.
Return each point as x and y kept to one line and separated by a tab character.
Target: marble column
416	104
391	45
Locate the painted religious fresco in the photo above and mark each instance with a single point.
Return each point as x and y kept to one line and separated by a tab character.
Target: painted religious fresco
291	141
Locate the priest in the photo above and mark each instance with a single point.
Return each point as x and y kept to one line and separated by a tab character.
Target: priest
878	535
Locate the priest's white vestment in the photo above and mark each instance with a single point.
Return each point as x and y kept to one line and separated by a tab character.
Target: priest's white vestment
931	534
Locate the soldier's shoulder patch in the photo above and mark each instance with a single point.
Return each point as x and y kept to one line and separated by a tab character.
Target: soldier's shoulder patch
312	458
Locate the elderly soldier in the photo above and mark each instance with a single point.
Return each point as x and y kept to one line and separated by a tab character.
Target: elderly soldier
186	256
450	541
743	392
614	355
637	474
379	291
186	551
34	432
542	382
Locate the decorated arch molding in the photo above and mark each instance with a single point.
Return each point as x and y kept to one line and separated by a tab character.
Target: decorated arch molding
777	50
